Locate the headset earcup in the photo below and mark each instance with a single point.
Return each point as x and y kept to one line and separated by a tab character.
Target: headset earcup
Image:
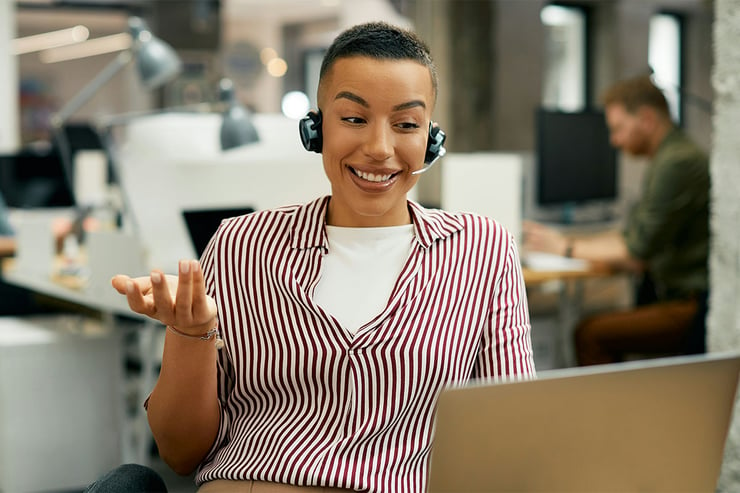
310	129
434	144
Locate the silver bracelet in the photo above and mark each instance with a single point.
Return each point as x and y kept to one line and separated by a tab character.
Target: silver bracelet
219	343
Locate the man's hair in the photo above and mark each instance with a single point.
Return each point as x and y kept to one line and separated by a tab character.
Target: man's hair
381	41
635	93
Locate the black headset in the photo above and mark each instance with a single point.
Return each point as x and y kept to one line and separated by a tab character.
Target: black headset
312	138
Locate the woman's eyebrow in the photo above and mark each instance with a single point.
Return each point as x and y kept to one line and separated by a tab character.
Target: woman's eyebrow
410	104
361	101
352	97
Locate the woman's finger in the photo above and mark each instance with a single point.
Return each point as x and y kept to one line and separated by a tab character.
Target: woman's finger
136	300
162	298
204	308
184	300
119	283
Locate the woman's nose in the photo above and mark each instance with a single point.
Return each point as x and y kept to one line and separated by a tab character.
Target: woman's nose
379	145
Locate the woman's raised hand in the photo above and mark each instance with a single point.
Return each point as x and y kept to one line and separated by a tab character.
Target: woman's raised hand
180	301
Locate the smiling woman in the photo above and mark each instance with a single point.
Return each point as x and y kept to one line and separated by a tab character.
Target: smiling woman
343	318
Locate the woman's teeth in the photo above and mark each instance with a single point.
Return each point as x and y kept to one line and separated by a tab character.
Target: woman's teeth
372	176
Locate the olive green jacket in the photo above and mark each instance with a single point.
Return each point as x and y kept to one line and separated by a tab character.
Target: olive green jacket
669	226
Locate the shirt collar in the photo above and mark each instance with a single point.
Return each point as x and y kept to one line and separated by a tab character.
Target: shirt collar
430	225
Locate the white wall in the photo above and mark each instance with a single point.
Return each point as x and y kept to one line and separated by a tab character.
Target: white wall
486	183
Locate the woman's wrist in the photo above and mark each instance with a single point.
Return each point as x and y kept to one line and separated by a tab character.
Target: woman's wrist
202	333
196	331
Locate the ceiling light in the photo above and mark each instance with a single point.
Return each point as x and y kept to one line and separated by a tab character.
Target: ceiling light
267	54
295	104
97	46
277	67
52	39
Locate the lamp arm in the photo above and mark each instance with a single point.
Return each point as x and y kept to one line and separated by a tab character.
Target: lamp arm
91	88
69	109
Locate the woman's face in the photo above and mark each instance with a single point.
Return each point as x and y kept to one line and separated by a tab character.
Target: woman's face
376	116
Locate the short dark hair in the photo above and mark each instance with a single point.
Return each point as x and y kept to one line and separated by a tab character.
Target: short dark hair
636	92
381	41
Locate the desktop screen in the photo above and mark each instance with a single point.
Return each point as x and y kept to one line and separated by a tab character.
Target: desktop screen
36	177
203	223
575	161
32	178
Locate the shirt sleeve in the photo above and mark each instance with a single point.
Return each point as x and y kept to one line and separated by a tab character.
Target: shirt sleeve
225	373
506	348
667	202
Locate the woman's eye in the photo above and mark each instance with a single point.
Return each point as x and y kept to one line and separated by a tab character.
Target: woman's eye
355	120
408	125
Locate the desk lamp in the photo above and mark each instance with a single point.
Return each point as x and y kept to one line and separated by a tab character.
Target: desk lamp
156	62
237	128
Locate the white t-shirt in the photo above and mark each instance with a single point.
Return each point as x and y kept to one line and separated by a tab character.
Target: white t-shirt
360	270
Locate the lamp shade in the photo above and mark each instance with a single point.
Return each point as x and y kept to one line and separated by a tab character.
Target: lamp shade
156	61
237	128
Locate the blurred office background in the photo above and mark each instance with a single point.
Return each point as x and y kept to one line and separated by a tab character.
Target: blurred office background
505	66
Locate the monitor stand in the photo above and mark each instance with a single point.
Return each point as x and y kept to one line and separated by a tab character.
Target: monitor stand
574	214
567	213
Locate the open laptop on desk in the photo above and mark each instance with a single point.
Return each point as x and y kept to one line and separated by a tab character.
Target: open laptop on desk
649	426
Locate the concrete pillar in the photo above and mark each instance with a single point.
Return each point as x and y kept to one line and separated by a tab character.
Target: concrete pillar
431	23
9	109
516	65
724	311
471	81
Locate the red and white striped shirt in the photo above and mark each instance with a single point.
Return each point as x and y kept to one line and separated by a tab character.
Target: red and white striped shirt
305	402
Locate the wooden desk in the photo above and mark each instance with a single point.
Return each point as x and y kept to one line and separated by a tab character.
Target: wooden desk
7	246
536	277
569	285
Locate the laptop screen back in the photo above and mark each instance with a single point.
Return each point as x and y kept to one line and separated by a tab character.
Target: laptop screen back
657	426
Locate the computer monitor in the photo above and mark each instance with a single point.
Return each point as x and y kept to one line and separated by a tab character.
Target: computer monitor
34	178
575	162
38	177
203	223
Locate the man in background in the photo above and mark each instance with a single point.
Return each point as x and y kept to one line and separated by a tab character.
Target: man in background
665	239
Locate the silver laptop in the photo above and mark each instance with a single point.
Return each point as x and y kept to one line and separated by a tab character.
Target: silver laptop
649	426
